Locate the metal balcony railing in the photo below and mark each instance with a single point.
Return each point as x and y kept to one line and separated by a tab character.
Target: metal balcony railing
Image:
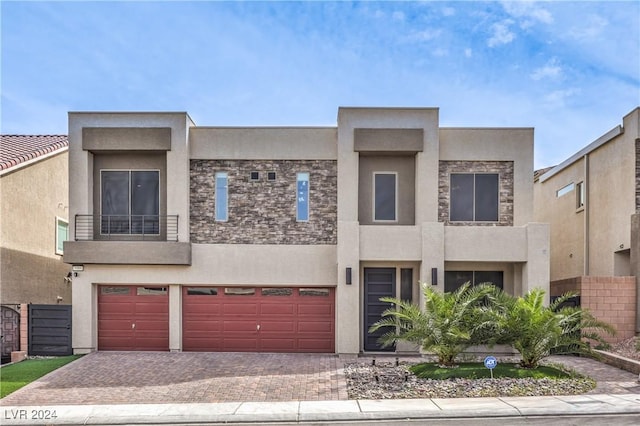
90	227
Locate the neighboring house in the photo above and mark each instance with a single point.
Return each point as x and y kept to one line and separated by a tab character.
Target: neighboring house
283	239
591	201
33	225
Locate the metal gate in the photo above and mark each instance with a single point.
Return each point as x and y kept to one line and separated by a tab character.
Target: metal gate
10	328
50	330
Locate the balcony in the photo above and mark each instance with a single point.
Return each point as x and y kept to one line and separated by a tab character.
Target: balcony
126	227
127	240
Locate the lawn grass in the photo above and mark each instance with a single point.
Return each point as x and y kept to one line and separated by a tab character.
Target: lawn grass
477	370
15	376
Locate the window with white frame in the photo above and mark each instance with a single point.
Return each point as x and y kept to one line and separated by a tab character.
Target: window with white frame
565	190
222	197
302	200
62	234
474	197
385	196
130	201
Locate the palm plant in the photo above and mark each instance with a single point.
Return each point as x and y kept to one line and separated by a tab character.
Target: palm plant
535	330
445	327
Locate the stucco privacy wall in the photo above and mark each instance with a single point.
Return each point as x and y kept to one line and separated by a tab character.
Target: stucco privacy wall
264	211
32	198
610	299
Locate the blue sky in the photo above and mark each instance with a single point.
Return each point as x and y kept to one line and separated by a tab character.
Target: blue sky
569	69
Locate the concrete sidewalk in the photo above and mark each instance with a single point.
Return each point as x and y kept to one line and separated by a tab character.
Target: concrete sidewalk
324	411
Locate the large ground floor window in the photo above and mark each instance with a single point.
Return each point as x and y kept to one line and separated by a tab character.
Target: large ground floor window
455	279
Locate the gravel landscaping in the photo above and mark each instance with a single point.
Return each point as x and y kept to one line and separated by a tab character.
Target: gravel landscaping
388	379
626	348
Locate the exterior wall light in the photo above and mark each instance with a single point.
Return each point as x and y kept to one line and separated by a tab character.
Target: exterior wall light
348	277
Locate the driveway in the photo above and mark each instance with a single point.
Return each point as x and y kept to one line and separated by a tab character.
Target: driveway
163	377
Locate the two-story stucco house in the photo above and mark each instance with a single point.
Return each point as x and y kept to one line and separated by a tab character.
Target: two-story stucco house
33	226
190	238
591	201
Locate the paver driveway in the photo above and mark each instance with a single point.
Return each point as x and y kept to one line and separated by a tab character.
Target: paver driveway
162	377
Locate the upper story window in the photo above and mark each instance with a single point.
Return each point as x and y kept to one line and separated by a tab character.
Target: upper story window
222	197
581	195
385	200
130	201
62	234
302	202
565	190
474	197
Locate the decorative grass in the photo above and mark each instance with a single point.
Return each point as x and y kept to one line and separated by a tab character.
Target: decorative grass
15	376
479	371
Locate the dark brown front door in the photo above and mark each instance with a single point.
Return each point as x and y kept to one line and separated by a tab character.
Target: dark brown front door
378	282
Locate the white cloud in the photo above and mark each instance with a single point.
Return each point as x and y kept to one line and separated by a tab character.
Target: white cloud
528	11
501	33
448	11
398	16
468	52
425	35
558	98
440	52
590	28
551	69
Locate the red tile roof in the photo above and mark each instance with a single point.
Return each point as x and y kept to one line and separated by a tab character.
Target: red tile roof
17	149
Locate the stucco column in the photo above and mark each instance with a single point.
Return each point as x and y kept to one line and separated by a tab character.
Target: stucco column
432	256
536	272
175	318
348	295
84	336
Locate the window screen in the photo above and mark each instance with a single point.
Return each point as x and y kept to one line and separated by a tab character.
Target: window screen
384	197
474	197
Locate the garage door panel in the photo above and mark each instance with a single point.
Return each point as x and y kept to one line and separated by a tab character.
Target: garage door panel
277	326
131	321
239	309
240	345
290	320
278	345
246	326
316	310
274	309
315	326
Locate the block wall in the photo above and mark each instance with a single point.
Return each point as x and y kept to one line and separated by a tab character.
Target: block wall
610	299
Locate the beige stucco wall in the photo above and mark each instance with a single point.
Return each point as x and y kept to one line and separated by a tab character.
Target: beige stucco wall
31	197
263	143
502	144
229	265
609	173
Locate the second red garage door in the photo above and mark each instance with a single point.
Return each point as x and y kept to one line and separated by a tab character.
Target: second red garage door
255	319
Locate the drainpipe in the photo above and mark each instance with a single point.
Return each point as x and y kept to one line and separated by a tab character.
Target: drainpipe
586	214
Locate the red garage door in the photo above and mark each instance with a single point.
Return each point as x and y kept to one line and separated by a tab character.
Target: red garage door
133	318
232	319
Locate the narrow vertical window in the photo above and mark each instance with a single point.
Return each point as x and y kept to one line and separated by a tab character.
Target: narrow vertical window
384	196
62	234
580	195
406	285
222	197
302	203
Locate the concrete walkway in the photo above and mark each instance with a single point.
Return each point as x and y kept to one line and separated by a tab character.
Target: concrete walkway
146	388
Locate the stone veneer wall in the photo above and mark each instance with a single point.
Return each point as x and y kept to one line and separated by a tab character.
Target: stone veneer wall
505	172
264	212
610	299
